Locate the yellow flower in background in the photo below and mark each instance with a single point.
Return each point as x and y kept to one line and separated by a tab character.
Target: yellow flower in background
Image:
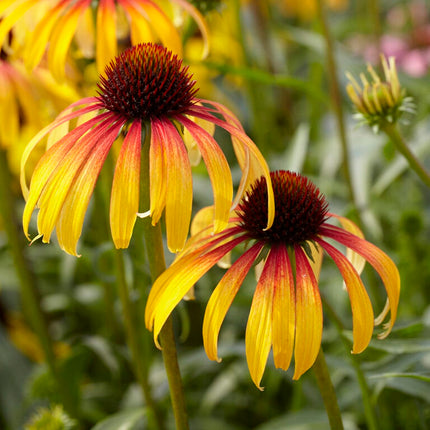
307	9
145	90
55	23
225	49
286	311
21	110
17	102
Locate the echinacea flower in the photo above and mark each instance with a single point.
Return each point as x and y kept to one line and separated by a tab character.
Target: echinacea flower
380	100
56	22
145	90
286	311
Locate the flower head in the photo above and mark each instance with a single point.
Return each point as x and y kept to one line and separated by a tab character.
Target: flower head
286	311
145	90
379	101
56	22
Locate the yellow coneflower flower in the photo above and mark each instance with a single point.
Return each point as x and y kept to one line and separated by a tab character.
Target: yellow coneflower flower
379	100
286	311
146	87
58	20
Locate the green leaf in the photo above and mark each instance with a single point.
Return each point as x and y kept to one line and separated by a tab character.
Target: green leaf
412	384
126	420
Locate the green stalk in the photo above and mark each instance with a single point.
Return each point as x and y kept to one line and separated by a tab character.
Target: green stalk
327	391
132	333
371	421
392	131
336	99
155	255
373	6
27	280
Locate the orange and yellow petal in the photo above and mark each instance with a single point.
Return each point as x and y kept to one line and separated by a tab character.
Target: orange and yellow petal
61	38
157	173
37	45
200	21
259	329
161	25
218	170
222	297
62	178
250	145
362	312
124	203
380	261
309	317
140	29
106	34
8	109
46	166
13	10
179	192
173	284
284	308
71	218
356	259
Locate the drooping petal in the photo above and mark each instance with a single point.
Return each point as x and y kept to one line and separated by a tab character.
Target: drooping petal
380	261
8	109
172	285
179	191
56	123
250	145
140	30
284	309
193	151
157	173
218	169
58	186
37	44
161	24
356	259
309	318
198	18
124	203
258	337
222	297
362	312
18	9
106	34
48	164
62	36
71	218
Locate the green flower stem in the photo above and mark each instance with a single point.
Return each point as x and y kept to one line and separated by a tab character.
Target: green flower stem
327	392
373	6
155	256
392	131
132	333
336	100
369	412
29	293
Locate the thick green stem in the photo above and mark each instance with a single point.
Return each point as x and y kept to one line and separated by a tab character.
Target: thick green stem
336	99
393	133
371	421
155	256
132	333
29	293
327	392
